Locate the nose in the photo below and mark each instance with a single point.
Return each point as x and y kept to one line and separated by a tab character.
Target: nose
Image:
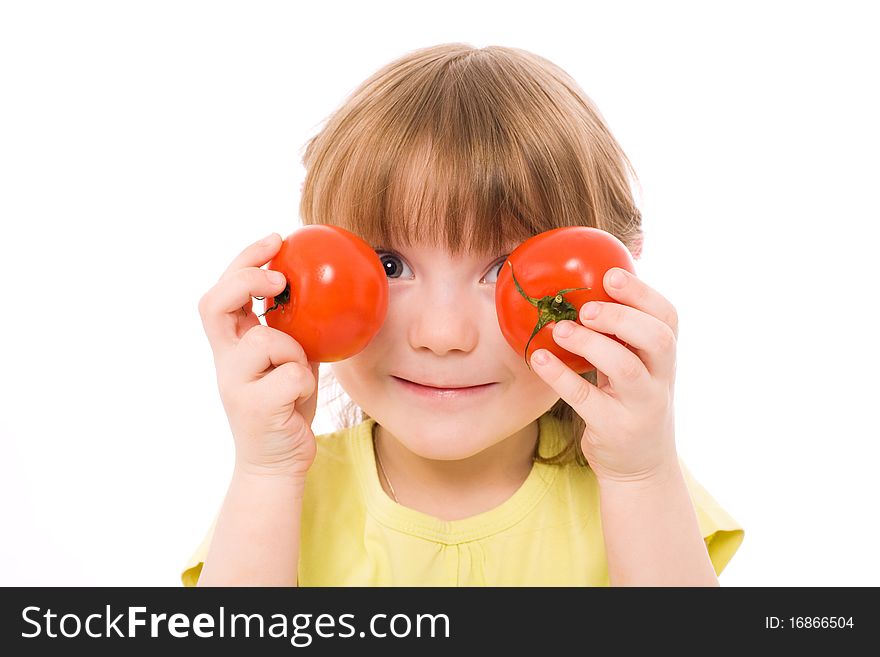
447	324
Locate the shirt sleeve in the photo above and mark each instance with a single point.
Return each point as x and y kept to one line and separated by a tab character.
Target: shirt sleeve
723	535
189	576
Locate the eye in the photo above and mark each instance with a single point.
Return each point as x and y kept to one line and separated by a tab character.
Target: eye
392	264
496	269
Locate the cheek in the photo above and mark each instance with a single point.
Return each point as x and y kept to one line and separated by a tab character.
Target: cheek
525	382
357	373
393	330
529	384
513	361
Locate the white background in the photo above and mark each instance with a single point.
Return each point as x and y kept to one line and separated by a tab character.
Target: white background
143	145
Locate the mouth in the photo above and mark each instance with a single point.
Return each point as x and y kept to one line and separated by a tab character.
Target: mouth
438	392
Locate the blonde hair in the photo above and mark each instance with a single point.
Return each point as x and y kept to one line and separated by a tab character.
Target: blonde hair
470	149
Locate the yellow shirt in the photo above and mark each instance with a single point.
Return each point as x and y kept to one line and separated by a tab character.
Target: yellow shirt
548	533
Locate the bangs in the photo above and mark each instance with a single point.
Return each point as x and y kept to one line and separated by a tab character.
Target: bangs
456	194
452	196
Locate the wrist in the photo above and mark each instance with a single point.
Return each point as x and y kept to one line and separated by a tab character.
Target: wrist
294	478
658	477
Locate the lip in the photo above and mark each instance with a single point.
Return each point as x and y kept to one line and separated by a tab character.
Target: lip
442	393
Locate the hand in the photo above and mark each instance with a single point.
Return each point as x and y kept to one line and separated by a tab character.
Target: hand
630	433
268	387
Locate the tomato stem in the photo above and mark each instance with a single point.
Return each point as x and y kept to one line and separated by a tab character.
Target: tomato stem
281	300
552	308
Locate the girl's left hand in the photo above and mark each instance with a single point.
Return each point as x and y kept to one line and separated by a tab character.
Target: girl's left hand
630	433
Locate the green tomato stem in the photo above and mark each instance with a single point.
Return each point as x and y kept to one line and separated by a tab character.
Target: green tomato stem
552	308
281	300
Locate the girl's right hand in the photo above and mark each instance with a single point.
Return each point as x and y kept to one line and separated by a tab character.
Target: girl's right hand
268	387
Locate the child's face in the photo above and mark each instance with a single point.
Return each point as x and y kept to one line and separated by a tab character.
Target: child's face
442	328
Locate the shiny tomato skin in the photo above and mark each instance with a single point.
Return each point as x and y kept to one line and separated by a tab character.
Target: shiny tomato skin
338	292
567	257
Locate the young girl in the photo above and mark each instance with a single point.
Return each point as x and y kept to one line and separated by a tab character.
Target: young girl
445	160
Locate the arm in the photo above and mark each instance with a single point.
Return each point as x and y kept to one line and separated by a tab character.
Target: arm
652	537
256	539
269	391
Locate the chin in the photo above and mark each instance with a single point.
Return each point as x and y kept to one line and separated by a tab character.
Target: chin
440	441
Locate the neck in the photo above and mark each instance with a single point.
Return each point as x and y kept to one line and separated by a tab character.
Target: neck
452	489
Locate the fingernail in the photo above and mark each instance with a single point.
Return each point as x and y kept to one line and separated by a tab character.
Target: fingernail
617	278
591	310
564	329
540	357
276	277
266	240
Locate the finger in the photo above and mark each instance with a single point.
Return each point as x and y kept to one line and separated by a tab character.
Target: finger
256	255
634	292
653	339
625	370
226	308
587	400
288	384
263	349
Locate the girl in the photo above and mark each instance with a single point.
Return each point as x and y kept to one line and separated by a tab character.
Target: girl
462	466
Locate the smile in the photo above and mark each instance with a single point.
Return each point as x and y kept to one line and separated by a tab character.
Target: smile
443	393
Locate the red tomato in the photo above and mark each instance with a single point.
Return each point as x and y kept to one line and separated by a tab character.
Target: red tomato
558	271
336	295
